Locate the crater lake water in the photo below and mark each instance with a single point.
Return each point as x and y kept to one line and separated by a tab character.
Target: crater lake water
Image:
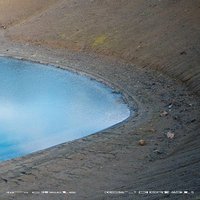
42	106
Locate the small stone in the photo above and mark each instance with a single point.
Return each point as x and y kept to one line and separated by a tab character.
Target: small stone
142	142
183	53
158	152
175	117
163	114
170	135
2	26
170	106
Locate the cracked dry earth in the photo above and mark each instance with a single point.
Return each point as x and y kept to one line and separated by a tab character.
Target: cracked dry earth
112	160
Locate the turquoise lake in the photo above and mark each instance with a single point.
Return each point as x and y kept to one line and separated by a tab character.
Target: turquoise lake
42	106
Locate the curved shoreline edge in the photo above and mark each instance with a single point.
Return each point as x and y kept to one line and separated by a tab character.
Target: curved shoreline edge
113	156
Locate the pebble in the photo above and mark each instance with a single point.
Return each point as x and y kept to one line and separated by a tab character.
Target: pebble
163	114
170	106
142	142
170	135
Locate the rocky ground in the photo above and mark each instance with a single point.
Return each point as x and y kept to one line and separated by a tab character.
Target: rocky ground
113	159
168	116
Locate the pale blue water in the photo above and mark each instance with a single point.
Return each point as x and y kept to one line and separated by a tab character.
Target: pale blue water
42	106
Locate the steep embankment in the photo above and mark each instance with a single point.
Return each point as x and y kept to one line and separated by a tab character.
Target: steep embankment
17	11
160	34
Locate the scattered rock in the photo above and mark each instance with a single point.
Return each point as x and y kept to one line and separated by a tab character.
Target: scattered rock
26	173
170	106
175	117
193	120
158	152
163	113
2	26
170	135
183	53
142	142
5	180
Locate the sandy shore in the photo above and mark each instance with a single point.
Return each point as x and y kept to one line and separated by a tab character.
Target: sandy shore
112	160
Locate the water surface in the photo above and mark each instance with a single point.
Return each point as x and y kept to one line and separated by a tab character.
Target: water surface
42	106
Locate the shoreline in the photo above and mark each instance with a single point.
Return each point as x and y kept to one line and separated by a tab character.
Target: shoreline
112	159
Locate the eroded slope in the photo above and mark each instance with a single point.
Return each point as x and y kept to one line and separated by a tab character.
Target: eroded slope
160	34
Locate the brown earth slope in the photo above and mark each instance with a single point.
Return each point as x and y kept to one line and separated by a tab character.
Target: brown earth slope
160	34
12	12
